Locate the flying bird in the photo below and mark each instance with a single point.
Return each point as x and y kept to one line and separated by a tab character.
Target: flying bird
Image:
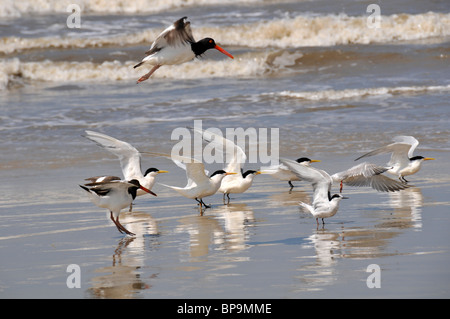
114	195
402	162
176	45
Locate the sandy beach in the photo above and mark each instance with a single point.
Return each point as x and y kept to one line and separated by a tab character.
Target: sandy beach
332	87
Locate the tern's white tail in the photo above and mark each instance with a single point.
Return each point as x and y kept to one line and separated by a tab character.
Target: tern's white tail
307	207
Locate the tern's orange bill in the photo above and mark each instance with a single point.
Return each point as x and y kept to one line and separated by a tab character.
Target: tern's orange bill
223	51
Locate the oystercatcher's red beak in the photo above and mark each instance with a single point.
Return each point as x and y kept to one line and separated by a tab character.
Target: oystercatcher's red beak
147	190
223	51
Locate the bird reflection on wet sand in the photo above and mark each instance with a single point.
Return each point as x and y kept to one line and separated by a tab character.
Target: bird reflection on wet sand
225	228
330	245
122	279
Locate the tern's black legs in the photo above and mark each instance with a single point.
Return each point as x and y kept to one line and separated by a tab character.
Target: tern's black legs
317	220
228	196
206	206
200	202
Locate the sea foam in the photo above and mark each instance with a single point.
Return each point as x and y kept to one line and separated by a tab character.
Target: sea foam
295	32
331	95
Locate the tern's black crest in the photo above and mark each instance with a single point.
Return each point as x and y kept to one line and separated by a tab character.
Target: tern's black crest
151	170
337	196
244	175
220	171
303	159
415	158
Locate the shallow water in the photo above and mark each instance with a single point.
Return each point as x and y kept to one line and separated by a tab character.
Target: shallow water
259	246
310	69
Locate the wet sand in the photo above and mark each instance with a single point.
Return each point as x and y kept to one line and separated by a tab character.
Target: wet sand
261	245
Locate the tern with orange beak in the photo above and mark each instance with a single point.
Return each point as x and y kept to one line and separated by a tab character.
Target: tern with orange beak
235	158
176	45
402	162
199	184
114	195
362	175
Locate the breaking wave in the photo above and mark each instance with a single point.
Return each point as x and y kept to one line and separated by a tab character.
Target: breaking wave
331	95
12	70
295	32
273	44
12	8
333	30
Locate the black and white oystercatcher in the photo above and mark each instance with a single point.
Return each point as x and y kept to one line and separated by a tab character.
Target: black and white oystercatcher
130	160
114	195
176	45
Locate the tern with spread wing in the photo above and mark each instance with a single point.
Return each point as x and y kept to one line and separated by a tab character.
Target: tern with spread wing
114	195
364	174
283	173
368	174
130	159
176	45
324	204
402	162
235	157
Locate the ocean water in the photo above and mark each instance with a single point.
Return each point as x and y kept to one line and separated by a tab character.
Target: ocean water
334	87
